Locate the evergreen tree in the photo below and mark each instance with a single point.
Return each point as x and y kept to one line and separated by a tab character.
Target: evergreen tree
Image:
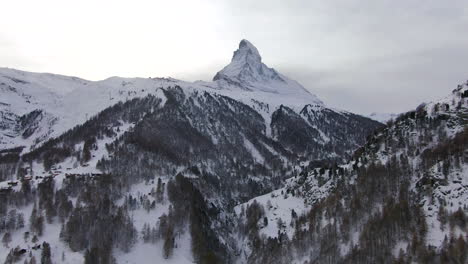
168	246
6	239
46	254
159	191
20	221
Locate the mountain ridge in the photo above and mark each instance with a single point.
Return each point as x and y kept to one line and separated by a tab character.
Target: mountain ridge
69	101
127	170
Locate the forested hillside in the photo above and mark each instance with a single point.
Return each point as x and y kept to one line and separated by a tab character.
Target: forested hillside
402	198
248	168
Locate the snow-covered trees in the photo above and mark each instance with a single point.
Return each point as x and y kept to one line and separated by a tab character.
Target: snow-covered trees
160	191
46	254
6	239
169	243
36	221
87	147
98	224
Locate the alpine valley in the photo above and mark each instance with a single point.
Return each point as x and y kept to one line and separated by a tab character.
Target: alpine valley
248	168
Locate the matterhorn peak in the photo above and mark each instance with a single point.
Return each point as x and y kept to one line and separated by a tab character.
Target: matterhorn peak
247	52
246	68
247	72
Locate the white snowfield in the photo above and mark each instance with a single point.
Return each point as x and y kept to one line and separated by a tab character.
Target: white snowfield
68	101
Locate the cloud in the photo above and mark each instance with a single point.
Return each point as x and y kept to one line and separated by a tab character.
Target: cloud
11	56
360	55
388	84
363	56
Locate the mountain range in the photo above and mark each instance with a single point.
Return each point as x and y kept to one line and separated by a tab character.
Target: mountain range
250	167
37	107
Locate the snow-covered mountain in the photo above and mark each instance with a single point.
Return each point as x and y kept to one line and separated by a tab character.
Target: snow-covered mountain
53	104
247	72
247	168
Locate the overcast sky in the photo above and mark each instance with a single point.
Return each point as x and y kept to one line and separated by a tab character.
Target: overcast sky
362	56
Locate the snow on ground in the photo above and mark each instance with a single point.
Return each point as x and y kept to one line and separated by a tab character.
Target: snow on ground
455	194
402	245
71	165
255	153
51	235
148	252
282	205
140	253
152	253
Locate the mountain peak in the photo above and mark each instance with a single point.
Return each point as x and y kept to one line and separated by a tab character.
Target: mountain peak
247	72
247	52
246	69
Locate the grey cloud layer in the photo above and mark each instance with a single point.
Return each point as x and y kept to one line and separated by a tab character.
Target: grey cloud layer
362	56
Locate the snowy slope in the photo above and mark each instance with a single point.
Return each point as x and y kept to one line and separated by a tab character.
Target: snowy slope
443	187
68	101
65	101
34	108
270	114
247	72
61	252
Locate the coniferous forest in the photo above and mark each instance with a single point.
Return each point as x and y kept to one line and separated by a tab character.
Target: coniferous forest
177	172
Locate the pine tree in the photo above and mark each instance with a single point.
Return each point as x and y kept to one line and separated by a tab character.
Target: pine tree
280	223
46	254
32	218
442	216
6	239
11	220
146	233
159	191
87	149
39	225
168	246
20	221
91	256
